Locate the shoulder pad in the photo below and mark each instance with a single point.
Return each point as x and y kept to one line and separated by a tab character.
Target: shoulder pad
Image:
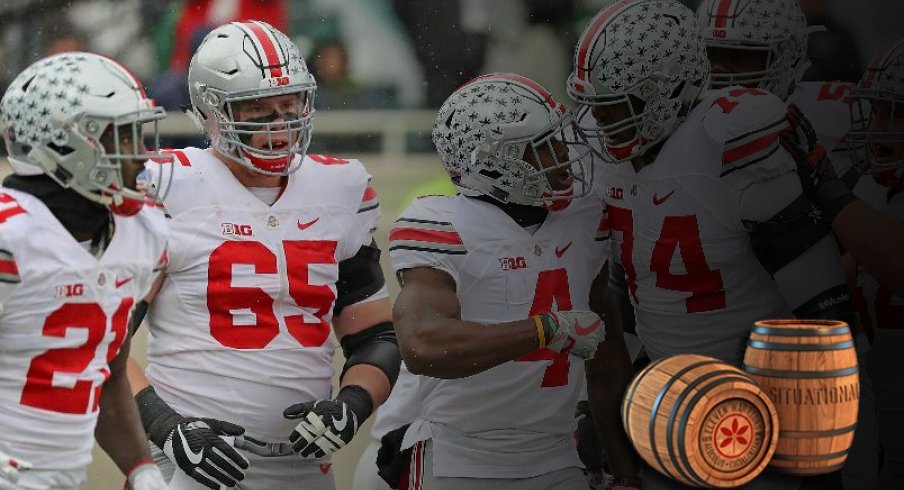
426	225
735	112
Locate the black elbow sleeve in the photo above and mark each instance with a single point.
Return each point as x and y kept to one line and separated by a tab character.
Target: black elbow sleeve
376	346
359	277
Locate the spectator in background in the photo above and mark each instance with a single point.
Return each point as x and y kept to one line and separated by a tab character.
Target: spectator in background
64	40
337	89
450	54
833	52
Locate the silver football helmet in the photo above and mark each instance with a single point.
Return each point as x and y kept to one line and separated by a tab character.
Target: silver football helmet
645	58
57	113
774	30
876	137
243	61
493	133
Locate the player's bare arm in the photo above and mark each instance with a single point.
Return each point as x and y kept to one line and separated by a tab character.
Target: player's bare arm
119	431
608	375
434	340
870	237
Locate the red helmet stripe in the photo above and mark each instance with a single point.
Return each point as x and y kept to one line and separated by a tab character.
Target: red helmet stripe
131	76
722	13
265	39
880	61
590	34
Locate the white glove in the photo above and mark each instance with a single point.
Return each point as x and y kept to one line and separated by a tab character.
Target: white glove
9	470
577	332
146	476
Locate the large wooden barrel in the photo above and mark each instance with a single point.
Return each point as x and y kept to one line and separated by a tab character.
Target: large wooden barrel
700	421
809	370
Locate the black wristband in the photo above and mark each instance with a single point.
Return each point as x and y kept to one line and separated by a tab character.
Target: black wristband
358	401
157	417
832	197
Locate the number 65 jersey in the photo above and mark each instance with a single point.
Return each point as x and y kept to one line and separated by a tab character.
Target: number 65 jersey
240	328
63	317
514	420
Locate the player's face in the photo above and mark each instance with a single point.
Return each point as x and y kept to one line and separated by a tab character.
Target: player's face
549	155
275	109
727	61
609	115
130	143
887	117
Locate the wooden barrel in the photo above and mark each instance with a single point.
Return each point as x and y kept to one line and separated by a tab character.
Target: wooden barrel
700	421
809	370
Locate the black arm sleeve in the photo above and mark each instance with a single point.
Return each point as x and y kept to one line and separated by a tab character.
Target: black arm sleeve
377	346
138	314
359	277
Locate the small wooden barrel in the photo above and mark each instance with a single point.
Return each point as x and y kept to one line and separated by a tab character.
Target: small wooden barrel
700	421
809	370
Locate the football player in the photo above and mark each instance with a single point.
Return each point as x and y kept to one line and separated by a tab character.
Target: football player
713	228
872	237
496	312
77	251
763	44
872	229
270	248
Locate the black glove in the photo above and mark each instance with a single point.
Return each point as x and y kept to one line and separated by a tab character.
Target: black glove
817	176
196	445
328	425
392	461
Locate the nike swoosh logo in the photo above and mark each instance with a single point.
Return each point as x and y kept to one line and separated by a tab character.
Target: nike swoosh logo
193	457
561	251
657	201
120	283
341	423
305	226
588	329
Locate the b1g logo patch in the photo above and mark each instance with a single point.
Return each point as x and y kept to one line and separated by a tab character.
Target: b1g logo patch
235	229
512	263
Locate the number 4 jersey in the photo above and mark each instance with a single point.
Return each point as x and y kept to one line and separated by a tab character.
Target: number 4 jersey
240	328
516	419
63	316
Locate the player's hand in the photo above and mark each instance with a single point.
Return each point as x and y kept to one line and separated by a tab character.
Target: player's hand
9	470
146	476
198	447
577	332
325	426
817	175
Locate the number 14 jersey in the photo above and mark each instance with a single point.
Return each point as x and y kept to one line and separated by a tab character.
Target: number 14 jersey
676	227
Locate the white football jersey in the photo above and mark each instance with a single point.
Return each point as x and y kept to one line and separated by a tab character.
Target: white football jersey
514	420
879	307
827	106
63	316
240	329
676	227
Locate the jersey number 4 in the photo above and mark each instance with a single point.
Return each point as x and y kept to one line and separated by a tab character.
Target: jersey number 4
40	391
678	233
551	285
223	297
